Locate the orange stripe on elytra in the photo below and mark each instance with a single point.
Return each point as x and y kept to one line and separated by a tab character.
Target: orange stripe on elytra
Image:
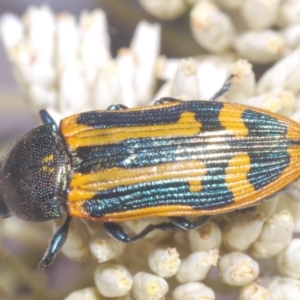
76	209
230	117
236	175
247	198
69	125
88	136
85	186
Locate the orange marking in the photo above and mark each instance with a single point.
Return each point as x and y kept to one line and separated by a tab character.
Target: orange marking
230	117
69	126
195	186
236	175
164	210
244	198
85	186
82	135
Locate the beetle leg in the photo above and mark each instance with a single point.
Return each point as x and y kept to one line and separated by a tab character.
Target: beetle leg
166	99
117	107
55	245
117	232
185	224
47	119
226	86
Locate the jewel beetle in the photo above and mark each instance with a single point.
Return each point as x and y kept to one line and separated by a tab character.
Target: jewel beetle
173	159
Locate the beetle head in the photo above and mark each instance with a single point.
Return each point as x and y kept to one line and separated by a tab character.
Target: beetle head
32	172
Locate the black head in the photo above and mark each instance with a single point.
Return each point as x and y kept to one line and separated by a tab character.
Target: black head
33	174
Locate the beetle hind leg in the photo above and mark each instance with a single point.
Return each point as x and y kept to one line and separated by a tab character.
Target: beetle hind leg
55	245
185	224
117	232
224	89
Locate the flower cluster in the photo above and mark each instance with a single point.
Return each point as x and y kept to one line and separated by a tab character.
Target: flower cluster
66	66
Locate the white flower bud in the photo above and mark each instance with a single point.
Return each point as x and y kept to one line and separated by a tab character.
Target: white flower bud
206	237
106	88
11	30
268	207
94	43
67	40
276	234
112	280
145	45
185	81
164	91
32	67
229	4
76	246
41	97
260	14
284	75
289	13
85	294
165	68
193	291
237	268
148	287
243	82
260	46
284	288
196	266
211	28
164	262
281	101
291	36
253	291
242	230
104	248
39	23
164	10
73	94
288	261
291	202
125	62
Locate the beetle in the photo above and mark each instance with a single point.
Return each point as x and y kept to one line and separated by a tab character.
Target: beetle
173	159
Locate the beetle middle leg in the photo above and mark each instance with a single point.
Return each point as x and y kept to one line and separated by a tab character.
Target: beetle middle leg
224	89
165	100
117	107
117	232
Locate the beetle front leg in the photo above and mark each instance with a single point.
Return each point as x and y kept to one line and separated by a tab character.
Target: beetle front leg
55	245
47	119
185	224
